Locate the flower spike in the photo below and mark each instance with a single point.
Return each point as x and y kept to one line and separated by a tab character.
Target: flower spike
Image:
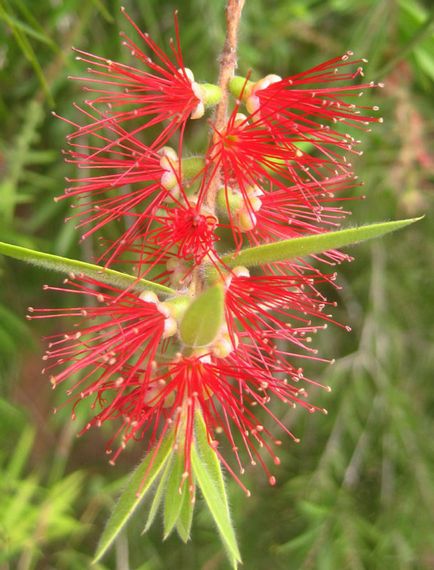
237	231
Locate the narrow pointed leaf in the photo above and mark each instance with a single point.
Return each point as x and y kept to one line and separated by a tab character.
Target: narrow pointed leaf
173	497
203	318
158	497
134	493
185	519
207	471
66	265
312	244
216	505
209	455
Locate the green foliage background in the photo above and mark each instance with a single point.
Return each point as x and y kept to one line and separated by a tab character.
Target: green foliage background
357	493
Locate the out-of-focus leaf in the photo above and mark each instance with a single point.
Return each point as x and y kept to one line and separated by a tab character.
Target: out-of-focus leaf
158	497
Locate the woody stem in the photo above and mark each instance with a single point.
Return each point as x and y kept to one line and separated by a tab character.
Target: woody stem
228	64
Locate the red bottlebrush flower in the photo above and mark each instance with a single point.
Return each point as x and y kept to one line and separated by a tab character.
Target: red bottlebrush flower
221	392
129	181
175	240
122	354
242	369
186	230
130	176
158	90
264	149
283	214
117	335
302	104
176	230
254	168
248	156
269	308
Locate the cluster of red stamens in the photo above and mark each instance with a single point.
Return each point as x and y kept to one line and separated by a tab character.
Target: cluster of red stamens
277	172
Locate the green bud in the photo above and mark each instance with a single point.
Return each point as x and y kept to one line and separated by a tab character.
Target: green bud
192	166
176	306
238	85
228	197
211	94
203	319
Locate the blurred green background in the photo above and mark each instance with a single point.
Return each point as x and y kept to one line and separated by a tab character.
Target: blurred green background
358	492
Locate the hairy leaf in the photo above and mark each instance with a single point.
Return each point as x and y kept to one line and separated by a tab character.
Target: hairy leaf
207	471
66	265
134	493
312	244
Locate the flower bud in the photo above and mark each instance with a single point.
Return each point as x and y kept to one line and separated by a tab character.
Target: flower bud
169	162
253	102
227	197
241	271
149	297
246	221
199	110
170	327
176	306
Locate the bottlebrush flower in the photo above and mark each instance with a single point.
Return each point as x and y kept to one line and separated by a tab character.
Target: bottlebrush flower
307	102
135	361
155	91
197	374
254	169
116	333
124	354
128	175
175	230
186	230
286	139
248	156
122	179
283	214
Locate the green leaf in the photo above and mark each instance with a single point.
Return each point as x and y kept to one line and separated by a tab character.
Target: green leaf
185	519
312	244
28	53
103	10
207	471
21	454
174	498
159	494
66	265
134	493
203	318
204	449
